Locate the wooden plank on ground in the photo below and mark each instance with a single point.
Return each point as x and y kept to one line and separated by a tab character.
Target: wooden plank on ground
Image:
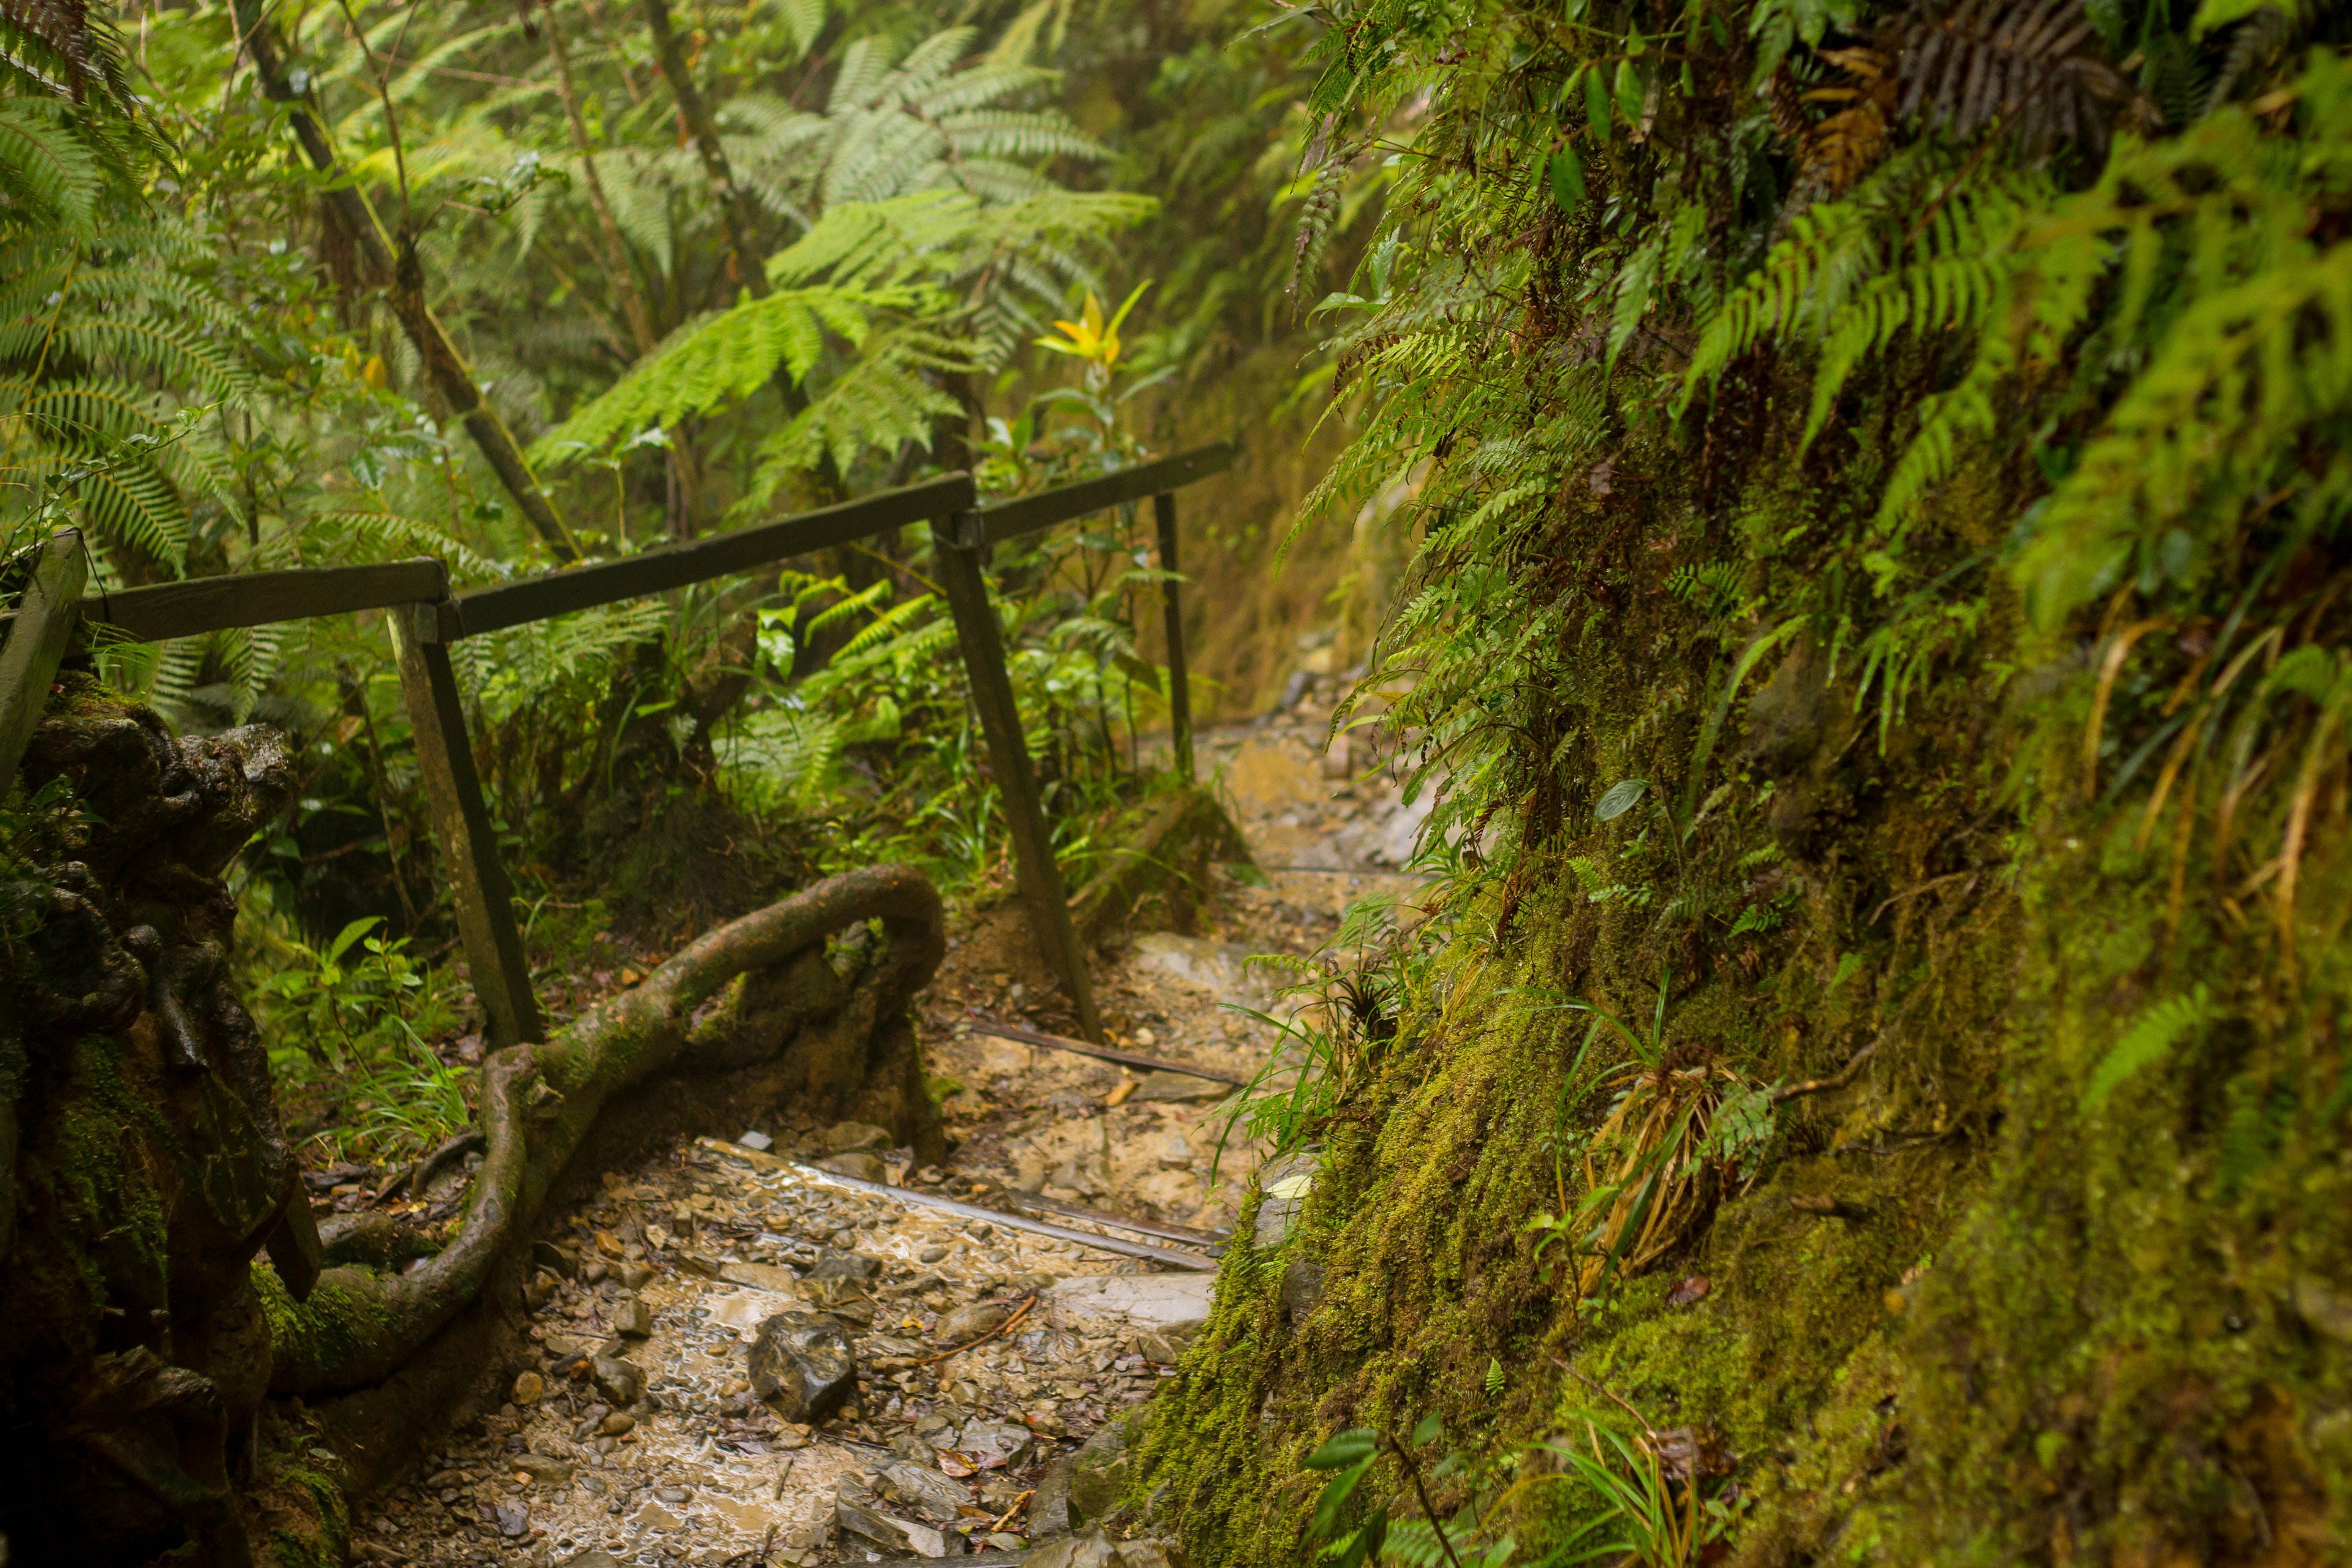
258	598
36	642
1027	514
918	1197
671	566
469	848
1008	754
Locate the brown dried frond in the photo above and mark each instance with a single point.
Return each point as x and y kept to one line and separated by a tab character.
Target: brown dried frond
2023	67
1844	144
1836	151
1790	120
64	29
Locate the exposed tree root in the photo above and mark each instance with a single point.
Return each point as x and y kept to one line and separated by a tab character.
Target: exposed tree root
538	1103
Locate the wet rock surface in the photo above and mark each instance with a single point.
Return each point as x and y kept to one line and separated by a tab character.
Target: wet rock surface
802	1365
991	1371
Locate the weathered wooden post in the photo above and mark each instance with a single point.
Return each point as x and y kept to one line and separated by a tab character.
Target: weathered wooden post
1179	696
961	540
36	645
470	847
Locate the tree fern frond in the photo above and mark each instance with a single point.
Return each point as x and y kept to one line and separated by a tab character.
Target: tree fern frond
718	358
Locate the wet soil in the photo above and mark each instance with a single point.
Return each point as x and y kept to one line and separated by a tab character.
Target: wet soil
667	1274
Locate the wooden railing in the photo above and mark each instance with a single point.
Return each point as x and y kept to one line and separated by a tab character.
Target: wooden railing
425	619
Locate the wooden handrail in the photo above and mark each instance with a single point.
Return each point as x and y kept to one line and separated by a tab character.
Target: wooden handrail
491	609
166	610
427	617
1003	520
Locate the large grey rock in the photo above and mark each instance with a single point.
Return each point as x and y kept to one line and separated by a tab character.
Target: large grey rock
994	1443
545	1469
1164	1302
858	1163
802	1365
772	1277
1092	1549
856	1511
1286	1183
1098	1473
1175	1087
632	1319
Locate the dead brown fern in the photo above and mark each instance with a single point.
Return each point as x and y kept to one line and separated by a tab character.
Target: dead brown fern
2018	68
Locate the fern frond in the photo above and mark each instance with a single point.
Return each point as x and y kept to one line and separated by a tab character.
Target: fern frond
721	358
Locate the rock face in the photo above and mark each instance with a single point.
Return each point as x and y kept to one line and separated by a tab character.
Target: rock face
142	1163
802	1365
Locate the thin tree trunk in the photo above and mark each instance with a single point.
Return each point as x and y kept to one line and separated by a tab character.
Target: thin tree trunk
404	291
685	499
616	253
745	266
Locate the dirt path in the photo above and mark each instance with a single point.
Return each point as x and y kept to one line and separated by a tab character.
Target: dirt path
638	1438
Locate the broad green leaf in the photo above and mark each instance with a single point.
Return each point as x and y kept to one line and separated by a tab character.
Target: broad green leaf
1567	179
1620	798
1345	1448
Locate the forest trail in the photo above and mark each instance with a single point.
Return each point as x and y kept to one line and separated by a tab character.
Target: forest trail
633	1432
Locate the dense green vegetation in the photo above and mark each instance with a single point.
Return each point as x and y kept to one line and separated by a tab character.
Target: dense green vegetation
517	286
1876	1089
1874	1085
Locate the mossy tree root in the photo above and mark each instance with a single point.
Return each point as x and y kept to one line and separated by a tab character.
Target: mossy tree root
538	1103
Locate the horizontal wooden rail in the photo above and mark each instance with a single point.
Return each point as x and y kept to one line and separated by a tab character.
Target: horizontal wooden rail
258	598
671	566
1004	519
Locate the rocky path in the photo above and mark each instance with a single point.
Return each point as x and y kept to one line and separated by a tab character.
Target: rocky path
745	1357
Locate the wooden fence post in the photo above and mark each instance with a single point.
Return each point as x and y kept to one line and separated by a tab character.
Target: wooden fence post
1180	696
470	847
37	643
959	564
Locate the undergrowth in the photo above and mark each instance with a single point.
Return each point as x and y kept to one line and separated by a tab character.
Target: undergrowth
1876	1089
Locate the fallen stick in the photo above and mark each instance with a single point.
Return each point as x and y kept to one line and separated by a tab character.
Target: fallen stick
1104	1053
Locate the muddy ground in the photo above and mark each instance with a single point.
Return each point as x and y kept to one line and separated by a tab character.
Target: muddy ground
637	1434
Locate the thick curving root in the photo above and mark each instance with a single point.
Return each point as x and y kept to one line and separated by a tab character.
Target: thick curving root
740	993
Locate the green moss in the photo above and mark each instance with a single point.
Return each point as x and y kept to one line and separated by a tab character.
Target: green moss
310	1339
319	1534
